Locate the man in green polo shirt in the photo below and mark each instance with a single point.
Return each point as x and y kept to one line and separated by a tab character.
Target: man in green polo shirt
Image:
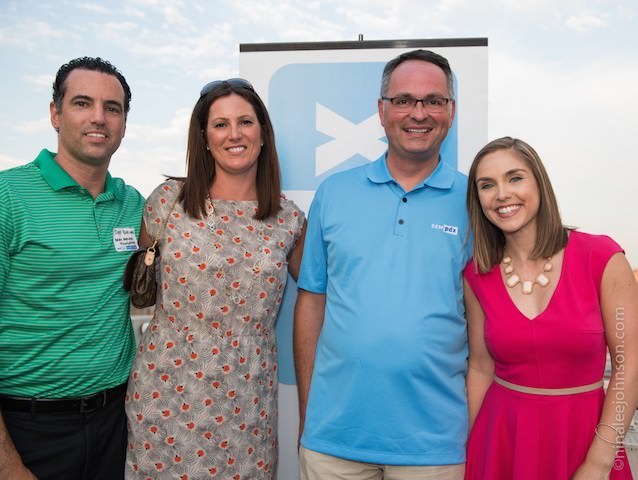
67	229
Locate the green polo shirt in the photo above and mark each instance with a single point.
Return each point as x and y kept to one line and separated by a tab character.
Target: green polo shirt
65	329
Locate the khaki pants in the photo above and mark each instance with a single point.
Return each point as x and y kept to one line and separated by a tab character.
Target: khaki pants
318	466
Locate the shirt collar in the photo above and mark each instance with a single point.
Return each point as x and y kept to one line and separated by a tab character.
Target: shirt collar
442	177
59	179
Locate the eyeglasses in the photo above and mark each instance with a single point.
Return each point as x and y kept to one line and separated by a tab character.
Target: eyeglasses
430	104
233	82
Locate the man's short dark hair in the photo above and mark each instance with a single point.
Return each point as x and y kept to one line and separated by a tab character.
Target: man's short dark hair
95	64
423	55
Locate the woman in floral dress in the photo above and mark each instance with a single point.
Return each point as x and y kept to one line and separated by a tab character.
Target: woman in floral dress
202	393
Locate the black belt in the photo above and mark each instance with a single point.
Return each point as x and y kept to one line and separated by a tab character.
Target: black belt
87	404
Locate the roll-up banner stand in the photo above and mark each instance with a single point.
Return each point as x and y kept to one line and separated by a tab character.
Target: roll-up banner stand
322	100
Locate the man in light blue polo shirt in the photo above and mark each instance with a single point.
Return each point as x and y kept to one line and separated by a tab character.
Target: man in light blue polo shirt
380	333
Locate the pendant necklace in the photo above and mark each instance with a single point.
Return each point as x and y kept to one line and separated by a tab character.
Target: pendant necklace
527	286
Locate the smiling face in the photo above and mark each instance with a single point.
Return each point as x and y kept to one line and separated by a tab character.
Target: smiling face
416	135
233	135
508	192
91	121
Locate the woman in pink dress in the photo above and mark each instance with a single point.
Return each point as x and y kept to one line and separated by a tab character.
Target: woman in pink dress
544	303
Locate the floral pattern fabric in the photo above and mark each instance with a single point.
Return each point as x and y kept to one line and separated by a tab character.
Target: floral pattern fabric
201	400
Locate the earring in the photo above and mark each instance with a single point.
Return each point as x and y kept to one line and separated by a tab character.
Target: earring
207	147
262	144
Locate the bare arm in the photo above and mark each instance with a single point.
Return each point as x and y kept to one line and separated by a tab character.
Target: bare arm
480	364
11	465
145	239
309	316
294	259
619	306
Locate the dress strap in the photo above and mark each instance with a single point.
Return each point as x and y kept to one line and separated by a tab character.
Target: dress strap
549	391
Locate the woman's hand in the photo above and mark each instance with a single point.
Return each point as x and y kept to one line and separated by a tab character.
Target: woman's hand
590	471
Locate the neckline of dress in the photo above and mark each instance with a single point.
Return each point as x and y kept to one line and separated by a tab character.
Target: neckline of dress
559	282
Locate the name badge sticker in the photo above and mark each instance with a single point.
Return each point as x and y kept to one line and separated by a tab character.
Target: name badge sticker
124	239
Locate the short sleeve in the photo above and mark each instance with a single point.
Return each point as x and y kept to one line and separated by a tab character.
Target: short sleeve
314	268
159	205
6	231
600	250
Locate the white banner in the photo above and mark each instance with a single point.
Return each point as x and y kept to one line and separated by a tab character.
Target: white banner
322	100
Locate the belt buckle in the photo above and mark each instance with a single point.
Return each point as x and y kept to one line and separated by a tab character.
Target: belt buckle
84	402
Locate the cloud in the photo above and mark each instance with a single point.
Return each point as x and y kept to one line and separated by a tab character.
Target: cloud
151	133
34	126
587	21
29	33
7	161
94	8
40	81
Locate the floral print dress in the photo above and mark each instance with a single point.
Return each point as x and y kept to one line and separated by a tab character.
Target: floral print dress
201	400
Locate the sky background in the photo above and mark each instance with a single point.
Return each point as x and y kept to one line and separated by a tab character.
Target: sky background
563	75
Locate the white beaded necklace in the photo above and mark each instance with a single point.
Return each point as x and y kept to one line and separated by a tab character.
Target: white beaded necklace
527	286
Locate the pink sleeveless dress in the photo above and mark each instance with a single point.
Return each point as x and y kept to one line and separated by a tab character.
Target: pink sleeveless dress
521	436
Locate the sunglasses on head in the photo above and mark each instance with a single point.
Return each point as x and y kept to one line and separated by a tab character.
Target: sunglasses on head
233	82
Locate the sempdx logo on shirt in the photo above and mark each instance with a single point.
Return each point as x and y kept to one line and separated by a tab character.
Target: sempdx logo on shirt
449	229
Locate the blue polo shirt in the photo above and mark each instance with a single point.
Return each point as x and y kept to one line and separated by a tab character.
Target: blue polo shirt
388	384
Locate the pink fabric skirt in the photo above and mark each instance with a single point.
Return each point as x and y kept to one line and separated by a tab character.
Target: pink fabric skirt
521	436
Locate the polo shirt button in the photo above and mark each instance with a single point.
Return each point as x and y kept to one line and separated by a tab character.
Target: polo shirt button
405	200
401	221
